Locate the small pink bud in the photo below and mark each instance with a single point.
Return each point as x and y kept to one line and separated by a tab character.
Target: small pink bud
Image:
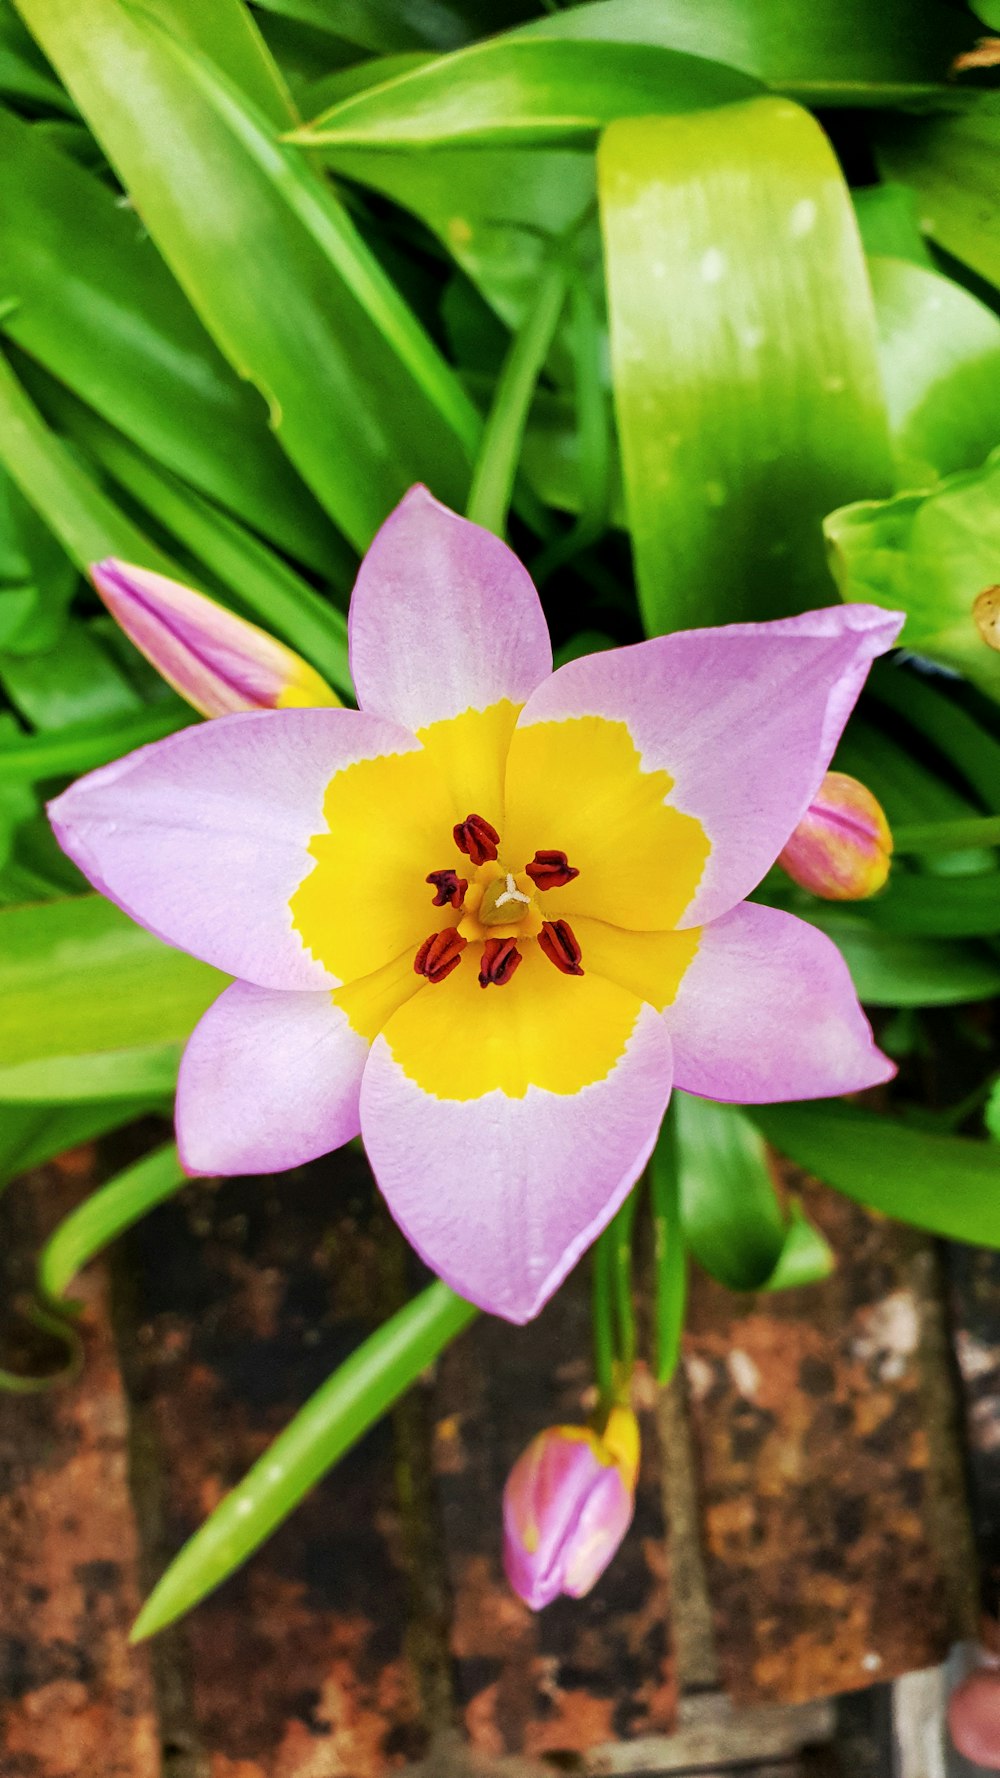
567	1505
842	846
974	1718
216	660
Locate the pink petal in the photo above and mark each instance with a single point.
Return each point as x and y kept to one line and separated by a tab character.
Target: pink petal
501	1195
268	1080
443	618
767	1011
203	838
744	718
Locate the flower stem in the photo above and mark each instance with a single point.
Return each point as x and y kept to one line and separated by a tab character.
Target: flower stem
670	1256
603	1318
496	464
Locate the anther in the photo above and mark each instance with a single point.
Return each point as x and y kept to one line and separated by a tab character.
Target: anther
500	959
450	888
439	954
477	839
551	870
558	941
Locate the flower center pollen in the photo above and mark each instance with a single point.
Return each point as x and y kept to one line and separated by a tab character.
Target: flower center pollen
494	902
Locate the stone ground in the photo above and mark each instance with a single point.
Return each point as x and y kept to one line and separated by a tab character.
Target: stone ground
818	1518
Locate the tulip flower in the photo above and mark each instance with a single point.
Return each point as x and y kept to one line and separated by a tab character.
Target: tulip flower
487	918
842	847
216	660
567	1504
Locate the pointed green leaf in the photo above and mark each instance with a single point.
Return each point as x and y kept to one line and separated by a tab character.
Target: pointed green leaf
744	357
114	1207
947	1184
340	1412
892	969
951	162
360	398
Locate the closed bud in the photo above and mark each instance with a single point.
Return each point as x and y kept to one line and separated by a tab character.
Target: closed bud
567	1505
219	662
842	847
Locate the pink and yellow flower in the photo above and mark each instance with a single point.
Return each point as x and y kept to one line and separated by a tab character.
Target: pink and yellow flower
488	918
567	1505
219	662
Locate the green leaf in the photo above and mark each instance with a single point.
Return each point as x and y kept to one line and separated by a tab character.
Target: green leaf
30	1135
946	836
889	223
148	1074
729	1211
83	746
832	52
524	89
258	583
94	303
342	1409
500	450
227	33
946	1184
360	398
991	1112
928	554
937	906
106	1214
37	580
951	163
78	977
939	352
77	681
889	969
743	351
932	710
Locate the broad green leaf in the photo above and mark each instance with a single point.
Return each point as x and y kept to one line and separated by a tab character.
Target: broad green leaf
951	162
946	836
891	969
744	357
949	1185
148	1074
103	1216
340	1412
94	303
252	578
991	1112
939	353
930	555
77	681
25	76
37	579
906	786
360	398
226	32
525	89
935	906
78	977
831	52
730	1215
889	223
30	1135
388	26
83	746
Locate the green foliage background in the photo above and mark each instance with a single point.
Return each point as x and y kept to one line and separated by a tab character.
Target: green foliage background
698	301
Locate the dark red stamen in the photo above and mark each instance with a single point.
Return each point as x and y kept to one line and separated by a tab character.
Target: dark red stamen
558	940
551	870
450	888
477	839
500	959
439	954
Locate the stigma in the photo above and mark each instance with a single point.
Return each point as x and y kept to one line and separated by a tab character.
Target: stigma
503	901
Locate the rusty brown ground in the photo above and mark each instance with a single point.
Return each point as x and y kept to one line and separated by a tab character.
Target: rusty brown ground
802	1528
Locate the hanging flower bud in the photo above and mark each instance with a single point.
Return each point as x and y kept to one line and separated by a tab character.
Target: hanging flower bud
216	660
974	1716
986	611
842	847
567	1505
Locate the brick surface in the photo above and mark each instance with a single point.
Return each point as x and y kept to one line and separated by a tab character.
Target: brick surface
75	1701
814	1470
581	1672
249	1293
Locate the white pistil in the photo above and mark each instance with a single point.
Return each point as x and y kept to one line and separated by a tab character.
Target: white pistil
511	893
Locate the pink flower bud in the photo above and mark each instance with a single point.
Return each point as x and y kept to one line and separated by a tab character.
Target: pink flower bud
842	846
216	660
974	1718
567	1505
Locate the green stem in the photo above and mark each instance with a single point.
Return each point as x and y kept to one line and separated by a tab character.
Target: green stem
593	433
947	836
603	1315
670	1255
620	1233
500	449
